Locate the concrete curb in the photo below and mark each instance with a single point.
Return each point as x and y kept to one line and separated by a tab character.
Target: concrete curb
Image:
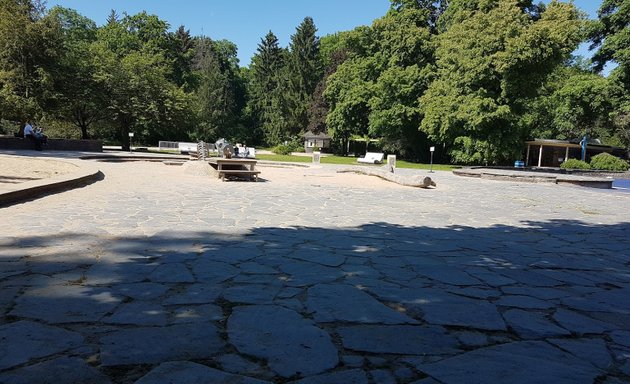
535	177
32	190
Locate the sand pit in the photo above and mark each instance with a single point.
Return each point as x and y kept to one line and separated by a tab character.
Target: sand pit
19	169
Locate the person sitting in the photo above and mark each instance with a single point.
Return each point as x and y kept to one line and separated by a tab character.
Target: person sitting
36	136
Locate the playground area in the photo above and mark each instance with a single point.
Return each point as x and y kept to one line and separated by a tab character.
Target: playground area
153	274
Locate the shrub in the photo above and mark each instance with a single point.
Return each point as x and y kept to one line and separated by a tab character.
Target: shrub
282	149
290	146
608	162
575	164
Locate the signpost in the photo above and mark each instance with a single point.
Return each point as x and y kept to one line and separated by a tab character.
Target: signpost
130	137
432	149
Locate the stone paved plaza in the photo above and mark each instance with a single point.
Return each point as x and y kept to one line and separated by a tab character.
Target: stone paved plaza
154	275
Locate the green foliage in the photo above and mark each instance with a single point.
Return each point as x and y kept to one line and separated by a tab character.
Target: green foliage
282	149
608	162
433	8
8	127
266	86
181	51
31	46
610	34
302	73
491	60
572	102
80	98
375	92
575	164
220	93
474	77
131	67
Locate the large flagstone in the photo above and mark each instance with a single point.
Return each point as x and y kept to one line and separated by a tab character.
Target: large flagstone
291	344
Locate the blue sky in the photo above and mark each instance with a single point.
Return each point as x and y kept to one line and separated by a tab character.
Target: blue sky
245	22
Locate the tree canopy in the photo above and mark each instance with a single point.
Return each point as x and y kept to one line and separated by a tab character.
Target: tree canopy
474	78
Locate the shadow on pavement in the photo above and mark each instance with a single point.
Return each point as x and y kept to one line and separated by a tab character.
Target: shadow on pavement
111	309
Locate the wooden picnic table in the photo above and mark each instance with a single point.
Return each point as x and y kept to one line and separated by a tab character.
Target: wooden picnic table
237	168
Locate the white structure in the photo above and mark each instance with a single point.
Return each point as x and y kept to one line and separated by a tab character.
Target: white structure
371	158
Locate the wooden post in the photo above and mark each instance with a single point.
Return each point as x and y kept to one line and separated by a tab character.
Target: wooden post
391	163
527	156
540	156
566	154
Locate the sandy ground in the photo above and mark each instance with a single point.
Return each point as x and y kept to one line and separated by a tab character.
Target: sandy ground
19	169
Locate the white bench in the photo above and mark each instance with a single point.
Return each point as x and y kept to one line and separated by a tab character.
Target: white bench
371	158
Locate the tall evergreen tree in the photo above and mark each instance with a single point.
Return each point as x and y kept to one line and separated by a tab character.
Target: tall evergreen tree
182	52
304	71
267	92
113	17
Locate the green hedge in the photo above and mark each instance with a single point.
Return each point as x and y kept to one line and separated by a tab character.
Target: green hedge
608	162
575	164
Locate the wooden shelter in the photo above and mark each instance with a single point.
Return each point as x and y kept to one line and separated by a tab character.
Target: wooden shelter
552	153
316	141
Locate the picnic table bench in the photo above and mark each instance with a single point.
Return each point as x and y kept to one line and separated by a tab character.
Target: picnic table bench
240	168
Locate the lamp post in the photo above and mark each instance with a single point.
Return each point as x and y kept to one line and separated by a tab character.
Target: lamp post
432	149
130	137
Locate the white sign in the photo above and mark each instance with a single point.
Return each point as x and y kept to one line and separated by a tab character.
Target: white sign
432	149
130	134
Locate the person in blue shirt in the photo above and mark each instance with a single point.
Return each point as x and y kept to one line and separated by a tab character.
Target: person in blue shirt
36	136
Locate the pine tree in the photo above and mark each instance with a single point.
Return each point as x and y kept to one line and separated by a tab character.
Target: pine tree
304	72
113	17
267	98
182	52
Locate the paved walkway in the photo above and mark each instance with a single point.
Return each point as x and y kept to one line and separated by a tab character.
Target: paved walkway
153	275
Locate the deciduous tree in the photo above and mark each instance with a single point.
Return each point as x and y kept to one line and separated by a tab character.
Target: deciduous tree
490	62
31	47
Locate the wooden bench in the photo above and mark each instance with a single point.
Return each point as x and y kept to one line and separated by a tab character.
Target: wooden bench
239	168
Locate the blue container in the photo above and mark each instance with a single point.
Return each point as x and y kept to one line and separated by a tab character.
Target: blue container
519	164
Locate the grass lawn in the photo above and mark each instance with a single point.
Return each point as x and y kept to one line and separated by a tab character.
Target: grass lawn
349	161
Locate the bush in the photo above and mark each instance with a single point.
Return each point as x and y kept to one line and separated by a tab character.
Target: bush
608	162
282	149
575	164
285	149
9	127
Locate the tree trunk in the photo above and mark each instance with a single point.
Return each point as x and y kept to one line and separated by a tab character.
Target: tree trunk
84	132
